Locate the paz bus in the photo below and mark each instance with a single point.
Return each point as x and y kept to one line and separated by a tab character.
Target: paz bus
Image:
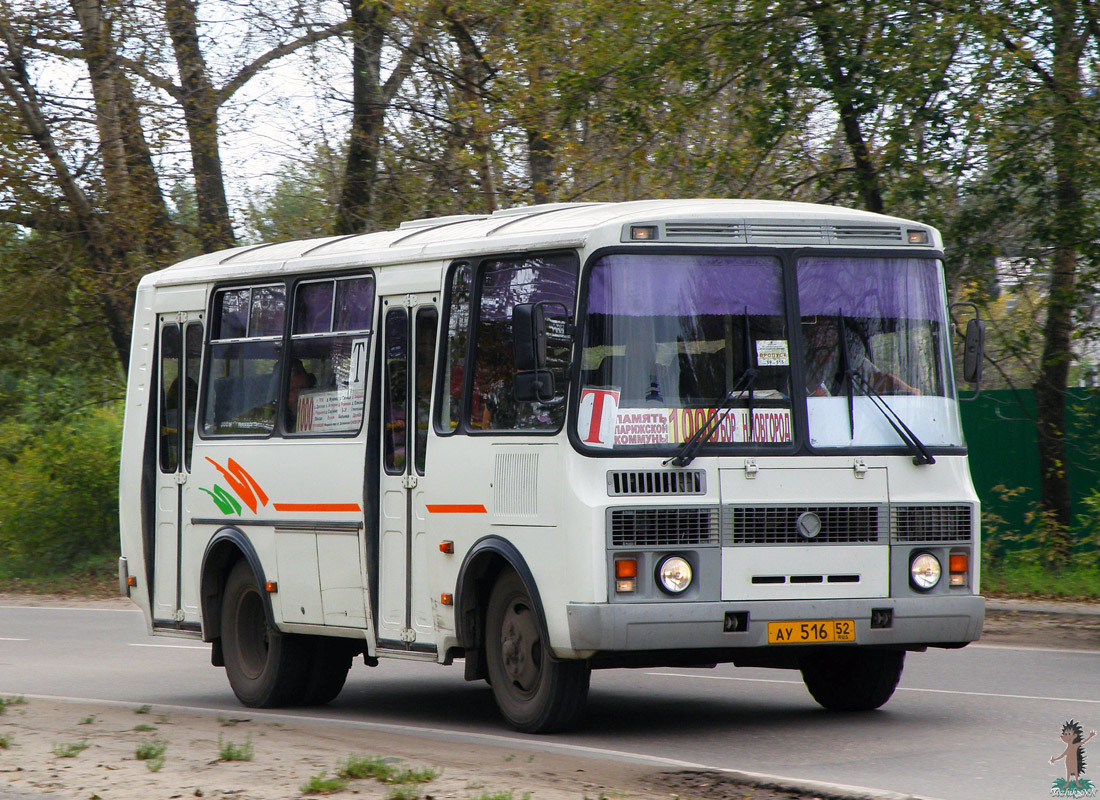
554	439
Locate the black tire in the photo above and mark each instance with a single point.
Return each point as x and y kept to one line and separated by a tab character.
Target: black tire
534	692
852	679
330	659
266	668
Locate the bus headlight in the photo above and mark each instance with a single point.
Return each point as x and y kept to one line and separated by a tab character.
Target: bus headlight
924	571
674	574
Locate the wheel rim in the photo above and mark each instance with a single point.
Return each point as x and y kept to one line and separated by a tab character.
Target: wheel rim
252	634
521	648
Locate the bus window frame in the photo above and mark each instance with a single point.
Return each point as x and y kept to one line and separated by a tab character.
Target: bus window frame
476	265
366	333
290	284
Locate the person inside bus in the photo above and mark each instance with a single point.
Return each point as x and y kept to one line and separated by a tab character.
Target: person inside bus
823	367
300	379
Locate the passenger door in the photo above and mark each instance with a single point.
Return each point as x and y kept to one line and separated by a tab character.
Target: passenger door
409	334
180	360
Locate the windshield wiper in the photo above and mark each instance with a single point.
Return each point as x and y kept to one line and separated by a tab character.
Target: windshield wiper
687	452
916	446
851	377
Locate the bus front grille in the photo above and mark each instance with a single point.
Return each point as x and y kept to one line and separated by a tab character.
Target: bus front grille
749	525
664	527
932	523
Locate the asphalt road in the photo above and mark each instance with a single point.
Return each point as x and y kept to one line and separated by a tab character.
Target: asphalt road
979	723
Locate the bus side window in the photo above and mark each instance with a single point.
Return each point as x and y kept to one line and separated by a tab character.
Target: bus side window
170	398
454	366
504	284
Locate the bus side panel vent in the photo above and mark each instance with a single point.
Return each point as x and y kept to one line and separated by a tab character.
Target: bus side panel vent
634	483
931	523
664	527
515	484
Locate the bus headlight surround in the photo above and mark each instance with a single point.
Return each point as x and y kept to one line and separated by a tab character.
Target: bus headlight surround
674	574
925	572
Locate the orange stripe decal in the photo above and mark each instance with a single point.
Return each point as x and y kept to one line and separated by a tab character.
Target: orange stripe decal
475	508
317	507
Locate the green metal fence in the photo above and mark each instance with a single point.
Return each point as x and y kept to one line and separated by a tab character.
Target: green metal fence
1001	437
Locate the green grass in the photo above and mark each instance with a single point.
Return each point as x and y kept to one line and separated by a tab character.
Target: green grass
145	709
319	784
231	751
5	742
70	750
1015	577
11	701
152	753
385	770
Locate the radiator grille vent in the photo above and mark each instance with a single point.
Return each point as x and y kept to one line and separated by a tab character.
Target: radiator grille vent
624	483
664	527
931	523
779	525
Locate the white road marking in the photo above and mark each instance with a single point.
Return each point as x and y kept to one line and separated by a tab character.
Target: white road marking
900	688
174	646
67	608
10	639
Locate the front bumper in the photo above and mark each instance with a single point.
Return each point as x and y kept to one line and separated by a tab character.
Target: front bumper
624	627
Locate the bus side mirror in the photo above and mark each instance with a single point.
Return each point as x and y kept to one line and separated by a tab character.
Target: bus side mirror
529	336
974	351
533	383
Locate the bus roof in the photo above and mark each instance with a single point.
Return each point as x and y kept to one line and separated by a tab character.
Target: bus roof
556	225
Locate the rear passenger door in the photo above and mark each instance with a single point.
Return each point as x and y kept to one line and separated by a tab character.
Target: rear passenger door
179	364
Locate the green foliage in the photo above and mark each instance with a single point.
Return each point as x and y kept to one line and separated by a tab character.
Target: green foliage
152	753
319	784
5	742
58	492
231	751
385	770
11	701
70	750
144	709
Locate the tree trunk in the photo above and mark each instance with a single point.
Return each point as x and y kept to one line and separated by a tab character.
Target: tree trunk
135	204
367	117
842	89
200	113
1050	388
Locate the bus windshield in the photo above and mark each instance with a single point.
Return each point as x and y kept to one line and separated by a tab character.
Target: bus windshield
875	325
671	341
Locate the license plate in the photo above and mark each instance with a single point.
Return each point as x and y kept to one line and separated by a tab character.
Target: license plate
812	631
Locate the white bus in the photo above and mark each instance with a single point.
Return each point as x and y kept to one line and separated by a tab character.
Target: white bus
555	439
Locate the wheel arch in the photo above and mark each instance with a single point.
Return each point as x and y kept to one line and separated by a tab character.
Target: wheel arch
225	548
484	562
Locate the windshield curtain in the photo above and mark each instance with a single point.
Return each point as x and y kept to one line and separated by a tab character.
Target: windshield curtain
881	321
669	338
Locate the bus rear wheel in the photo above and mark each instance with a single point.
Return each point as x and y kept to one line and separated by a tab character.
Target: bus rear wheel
534	692
852	679
266	668
329	661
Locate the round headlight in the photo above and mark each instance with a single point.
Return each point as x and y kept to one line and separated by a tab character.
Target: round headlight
674	574
925	571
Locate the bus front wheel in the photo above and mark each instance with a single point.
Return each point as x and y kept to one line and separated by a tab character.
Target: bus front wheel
266	668
852	679
534	692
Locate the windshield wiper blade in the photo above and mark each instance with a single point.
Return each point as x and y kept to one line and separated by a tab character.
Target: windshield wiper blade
687	452
916	446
